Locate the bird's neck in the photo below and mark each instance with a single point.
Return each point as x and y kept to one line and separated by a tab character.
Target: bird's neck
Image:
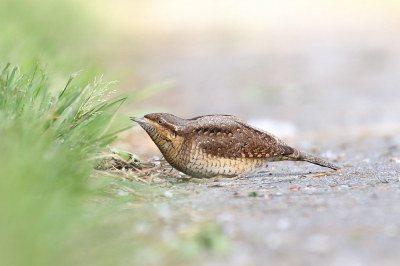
169	147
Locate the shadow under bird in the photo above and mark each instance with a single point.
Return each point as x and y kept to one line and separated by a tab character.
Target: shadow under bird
218	145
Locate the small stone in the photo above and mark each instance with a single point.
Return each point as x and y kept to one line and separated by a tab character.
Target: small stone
168	194
396	160
122	193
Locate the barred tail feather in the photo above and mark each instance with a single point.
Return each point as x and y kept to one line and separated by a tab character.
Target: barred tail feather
315	160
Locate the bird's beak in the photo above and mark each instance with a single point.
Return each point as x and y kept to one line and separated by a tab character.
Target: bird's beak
139	120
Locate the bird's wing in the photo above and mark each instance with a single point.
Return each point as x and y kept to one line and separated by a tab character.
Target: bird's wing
228	136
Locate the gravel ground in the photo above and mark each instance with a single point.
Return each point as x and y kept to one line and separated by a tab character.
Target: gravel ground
292	218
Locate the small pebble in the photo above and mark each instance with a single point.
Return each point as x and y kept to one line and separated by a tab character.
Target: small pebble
122	193
168	194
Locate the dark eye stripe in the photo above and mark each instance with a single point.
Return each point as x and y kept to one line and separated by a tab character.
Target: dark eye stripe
169	126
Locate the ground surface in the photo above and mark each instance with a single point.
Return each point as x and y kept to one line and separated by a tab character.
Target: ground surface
351	218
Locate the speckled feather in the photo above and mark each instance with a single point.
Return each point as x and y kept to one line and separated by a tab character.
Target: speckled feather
212	145
230	137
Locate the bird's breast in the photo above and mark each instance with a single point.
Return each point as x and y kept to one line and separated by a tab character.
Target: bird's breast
194	161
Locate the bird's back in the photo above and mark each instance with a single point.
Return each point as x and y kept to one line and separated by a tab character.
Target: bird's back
225	145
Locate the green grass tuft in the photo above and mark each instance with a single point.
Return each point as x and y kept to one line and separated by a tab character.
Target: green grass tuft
46	139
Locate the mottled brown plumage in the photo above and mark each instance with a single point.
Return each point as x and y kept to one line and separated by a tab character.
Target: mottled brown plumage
211	145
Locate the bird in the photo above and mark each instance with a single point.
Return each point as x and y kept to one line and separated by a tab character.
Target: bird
218	145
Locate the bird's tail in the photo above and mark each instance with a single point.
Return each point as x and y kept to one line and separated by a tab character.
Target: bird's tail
302	156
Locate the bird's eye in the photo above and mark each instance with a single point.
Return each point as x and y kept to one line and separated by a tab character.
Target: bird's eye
160	121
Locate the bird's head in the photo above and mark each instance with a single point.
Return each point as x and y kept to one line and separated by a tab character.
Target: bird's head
161	125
